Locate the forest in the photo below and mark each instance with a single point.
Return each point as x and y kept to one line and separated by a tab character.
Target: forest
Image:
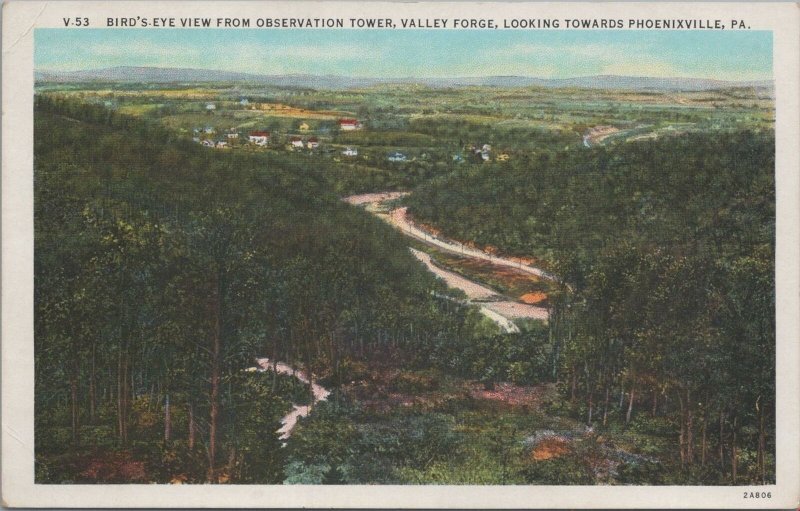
666	252
164	269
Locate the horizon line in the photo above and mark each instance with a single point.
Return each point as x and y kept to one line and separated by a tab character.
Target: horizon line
406	78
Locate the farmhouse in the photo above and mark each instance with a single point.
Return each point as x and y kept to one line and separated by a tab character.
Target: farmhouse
396	156
349	124
232	134
296	142
313	143
350	151
259	137
221	144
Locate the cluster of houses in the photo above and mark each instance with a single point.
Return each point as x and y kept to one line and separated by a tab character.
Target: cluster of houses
479	154
300	143
208	137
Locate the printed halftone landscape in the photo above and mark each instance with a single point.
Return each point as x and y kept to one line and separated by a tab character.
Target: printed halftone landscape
404	257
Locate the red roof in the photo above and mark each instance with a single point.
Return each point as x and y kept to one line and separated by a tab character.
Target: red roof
348	121
259	133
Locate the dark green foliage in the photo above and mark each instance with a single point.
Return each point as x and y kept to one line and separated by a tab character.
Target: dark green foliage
163	269
668	250
343	445
562	470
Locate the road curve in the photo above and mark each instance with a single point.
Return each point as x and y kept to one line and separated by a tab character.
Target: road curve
289	421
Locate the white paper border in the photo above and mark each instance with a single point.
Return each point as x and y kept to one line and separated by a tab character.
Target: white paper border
19	20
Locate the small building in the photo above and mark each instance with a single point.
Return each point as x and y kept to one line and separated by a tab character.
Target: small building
396	157
296	142
244	102
221	144
502	157
210	107
232	134
260	138
208	143
349	124
304	126
313	143
350	151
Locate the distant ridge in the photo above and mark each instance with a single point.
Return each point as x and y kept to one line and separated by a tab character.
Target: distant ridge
129	74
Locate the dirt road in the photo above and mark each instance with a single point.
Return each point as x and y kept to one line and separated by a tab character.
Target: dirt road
399	218
492	304
289	421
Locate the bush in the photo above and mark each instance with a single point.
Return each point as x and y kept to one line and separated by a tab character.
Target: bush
564	470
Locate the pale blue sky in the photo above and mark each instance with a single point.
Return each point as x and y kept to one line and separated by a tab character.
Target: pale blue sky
726	55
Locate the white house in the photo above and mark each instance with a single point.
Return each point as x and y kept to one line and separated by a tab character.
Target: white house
396	156
349	124
350	151
260	138
296	142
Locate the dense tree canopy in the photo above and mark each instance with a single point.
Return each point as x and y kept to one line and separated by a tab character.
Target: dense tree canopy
666	249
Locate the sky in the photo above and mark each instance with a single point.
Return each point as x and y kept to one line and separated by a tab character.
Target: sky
723	55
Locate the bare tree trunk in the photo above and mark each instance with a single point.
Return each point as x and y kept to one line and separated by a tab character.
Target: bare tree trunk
119	394
682	435
574	385
92	387
125	396
630	403
605	405
761	444
215	379
73	390
704	442
722	441
734	458
591	407
167	420
122	395
689	430
192	427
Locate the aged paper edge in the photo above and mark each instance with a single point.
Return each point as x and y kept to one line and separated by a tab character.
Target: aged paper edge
18	490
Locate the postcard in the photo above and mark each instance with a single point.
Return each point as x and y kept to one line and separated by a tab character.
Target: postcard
378	254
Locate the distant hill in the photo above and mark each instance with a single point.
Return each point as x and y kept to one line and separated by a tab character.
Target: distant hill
131	74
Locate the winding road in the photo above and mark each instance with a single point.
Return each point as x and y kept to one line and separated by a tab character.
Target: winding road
492	304
289	421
